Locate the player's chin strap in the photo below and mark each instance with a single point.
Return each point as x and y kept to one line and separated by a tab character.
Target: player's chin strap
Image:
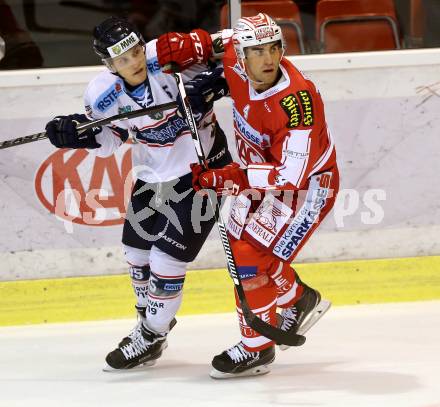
265	329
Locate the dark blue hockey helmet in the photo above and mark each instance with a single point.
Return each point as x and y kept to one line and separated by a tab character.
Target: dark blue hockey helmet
114	36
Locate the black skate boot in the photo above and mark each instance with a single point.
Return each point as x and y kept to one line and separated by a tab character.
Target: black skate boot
302	315
238	362
141	311
143	348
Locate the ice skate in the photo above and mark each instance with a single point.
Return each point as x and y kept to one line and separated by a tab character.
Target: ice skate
140	319
302	315
141	348
238	362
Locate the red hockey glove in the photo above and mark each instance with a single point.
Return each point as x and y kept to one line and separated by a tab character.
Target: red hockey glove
183	49
230	179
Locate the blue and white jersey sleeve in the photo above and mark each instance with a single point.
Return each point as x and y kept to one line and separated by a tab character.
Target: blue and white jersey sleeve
99	103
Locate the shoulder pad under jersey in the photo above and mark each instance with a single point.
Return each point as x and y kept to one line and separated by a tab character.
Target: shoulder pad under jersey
153	66
103	92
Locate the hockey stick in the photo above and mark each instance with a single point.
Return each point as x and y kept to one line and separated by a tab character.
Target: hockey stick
84	126
267	330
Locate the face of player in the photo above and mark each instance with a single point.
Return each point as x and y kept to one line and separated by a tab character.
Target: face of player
262	64
131	65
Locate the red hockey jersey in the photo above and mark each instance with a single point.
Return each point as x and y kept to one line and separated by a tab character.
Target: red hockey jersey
281	134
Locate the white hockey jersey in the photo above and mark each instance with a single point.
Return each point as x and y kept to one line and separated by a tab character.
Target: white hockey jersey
163	148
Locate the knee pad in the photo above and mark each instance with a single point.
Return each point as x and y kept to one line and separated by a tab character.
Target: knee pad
165	265
167	275
139	263
251	260
161	287
140	273
136	257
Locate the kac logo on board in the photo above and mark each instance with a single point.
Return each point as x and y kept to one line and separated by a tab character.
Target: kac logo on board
84	189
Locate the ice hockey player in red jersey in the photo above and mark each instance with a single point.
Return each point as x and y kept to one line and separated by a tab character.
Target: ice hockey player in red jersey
286	185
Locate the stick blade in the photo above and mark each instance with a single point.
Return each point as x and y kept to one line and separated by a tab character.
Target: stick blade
276	334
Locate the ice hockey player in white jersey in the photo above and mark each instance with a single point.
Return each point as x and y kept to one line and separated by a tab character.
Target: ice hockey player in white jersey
162	231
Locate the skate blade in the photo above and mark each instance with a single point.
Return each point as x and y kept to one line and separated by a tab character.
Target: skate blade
311	319
107	368
256	371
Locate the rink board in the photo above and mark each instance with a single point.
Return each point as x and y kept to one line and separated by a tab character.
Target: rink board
382	109
210	291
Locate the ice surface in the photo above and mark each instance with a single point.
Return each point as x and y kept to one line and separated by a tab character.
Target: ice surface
365	355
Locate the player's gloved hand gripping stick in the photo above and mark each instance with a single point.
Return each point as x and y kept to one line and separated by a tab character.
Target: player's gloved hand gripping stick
85	126
269	331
